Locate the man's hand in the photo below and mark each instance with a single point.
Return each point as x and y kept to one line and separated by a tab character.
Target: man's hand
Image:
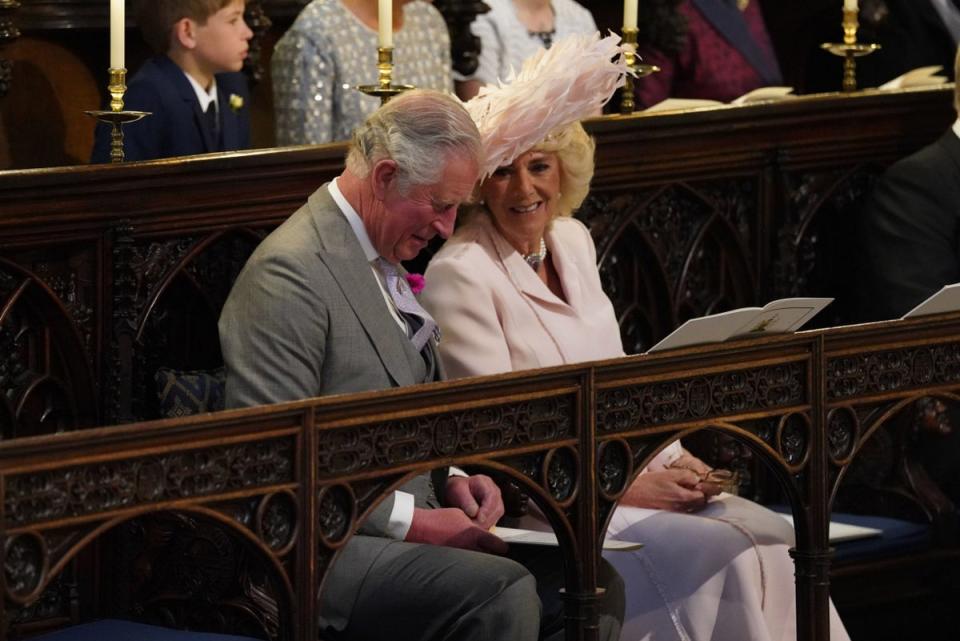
453	528
674	489
478	496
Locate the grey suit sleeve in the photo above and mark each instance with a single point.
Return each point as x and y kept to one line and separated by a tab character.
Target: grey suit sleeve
273	335
273	332
908	233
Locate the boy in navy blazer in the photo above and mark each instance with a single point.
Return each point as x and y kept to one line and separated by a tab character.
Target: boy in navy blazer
198	101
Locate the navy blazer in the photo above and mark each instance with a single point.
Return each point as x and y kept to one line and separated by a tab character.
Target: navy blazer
176	126
909	231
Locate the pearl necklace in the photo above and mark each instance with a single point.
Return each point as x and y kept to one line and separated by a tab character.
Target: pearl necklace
536	258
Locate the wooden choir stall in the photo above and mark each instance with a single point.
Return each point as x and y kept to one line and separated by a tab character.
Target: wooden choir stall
112	279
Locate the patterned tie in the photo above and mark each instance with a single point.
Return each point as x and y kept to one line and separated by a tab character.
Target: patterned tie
407	303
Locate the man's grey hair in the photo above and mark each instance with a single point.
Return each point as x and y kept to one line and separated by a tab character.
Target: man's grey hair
418	129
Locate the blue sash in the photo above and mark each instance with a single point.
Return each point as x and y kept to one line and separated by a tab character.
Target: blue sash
729	21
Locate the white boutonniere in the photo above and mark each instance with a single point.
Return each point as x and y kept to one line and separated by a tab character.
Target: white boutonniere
236	102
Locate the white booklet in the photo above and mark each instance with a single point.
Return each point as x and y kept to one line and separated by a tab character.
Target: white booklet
919	77
945	300
762	94
535	537
840	532
777	317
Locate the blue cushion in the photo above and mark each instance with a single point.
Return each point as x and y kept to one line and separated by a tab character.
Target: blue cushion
117	630
898	536
188	393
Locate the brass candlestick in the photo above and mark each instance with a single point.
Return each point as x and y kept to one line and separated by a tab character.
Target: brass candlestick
384	89
635	64
116	116
850	49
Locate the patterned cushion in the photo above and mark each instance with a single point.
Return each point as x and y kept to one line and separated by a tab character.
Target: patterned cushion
186	393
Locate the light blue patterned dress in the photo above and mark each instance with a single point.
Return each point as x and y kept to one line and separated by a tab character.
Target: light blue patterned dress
328	51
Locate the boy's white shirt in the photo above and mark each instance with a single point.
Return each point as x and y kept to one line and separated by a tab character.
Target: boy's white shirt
203	96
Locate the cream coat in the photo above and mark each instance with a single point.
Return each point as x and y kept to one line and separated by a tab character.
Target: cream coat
496	314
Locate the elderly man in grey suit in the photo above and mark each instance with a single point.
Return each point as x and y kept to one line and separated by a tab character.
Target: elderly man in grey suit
315	311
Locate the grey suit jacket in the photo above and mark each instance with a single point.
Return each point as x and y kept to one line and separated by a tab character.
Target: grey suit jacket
306	318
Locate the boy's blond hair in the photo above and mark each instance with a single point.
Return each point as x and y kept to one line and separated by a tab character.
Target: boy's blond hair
157	17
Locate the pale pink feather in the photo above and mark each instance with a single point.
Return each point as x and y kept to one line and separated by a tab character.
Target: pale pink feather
555	87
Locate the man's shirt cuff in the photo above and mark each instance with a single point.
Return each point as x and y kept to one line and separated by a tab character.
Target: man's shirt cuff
401	518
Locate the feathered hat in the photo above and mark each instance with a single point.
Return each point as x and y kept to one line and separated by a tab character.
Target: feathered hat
555	87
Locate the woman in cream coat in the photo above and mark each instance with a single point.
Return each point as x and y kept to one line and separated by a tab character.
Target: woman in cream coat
517	287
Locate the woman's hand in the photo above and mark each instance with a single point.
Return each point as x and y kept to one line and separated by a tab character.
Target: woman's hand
688	461
674	489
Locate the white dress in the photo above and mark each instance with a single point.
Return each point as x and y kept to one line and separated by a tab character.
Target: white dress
721	574
505	42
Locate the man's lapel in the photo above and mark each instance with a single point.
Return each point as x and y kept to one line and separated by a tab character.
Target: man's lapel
229	129
732	25
343	256
189	96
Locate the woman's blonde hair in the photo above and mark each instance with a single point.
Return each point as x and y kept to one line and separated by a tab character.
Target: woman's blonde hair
574	149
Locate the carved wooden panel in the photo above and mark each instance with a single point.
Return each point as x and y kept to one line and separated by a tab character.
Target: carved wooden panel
8	32
185	571
47	334
717	394
167	316
370	447
893	371
674	253
813	237
99	487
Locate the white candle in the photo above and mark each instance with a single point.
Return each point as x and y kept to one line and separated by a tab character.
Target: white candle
630	14
850	5
386	22
117	26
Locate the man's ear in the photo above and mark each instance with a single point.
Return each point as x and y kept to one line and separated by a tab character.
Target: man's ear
184	33
383	174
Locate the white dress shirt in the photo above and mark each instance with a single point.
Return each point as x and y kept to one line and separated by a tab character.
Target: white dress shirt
203	96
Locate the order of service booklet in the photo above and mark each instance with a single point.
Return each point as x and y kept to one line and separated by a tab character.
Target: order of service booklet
763	94
777	317
945	300
919	77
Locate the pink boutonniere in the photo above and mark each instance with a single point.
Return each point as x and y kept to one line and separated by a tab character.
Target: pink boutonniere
416	282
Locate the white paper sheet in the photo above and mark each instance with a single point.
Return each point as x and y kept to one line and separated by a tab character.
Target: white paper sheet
840	532
945	300
533	537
